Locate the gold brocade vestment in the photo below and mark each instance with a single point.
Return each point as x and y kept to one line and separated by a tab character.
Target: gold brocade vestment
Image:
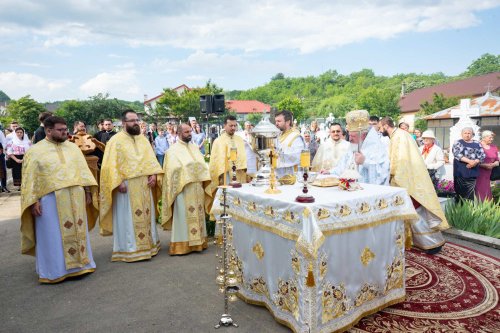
185	172
60	168
217	165
127	157
408	170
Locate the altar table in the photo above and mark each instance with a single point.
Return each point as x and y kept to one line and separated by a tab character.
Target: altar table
319	267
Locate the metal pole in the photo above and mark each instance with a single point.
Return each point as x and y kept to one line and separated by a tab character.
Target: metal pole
225	319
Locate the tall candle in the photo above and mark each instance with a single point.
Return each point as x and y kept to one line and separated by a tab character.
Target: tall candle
274	159
226	166
305	158
233	154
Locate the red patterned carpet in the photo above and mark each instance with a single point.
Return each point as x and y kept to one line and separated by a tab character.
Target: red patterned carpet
454	291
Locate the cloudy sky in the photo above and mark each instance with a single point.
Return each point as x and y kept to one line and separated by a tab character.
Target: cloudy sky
73	49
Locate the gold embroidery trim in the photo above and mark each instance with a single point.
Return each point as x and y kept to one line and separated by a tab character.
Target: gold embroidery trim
85	271
140	205
345	229
367	256
338	329
291	234
323	214
157	245
72	217
177	248
258	250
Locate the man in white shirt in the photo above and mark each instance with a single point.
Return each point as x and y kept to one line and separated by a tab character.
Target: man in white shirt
251	156
331	151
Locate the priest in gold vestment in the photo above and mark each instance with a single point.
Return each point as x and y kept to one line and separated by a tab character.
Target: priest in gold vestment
408	170
58	206
183	195
129	193
218	167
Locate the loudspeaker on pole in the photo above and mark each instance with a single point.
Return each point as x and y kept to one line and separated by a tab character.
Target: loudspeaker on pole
206	104
219	104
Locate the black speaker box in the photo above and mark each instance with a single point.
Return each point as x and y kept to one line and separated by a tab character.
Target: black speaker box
219	105
206	103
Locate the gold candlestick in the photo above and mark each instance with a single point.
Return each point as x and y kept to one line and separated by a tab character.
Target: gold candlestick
273	159
233	156
225	276
305	163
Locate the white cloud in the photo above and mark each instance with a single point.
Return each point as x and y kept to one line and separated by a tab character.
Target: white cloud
33	64
121	84
200	66
237	24
67	34
17	85
197	78
127	65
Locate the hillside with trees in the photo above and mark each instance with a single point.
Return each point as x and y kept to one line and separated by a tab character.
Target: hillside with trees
307	97
336	93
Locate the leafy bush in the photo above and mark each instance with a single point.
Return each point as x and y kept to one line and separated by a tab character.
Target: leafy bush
475	216
495	191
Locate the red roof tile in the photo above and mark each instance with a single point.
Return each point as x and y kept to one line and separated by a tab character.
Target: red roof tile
471	87
252	106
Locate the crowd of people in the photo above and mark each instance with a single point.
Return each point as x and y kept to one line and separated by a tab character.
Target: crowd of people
143	165
472	163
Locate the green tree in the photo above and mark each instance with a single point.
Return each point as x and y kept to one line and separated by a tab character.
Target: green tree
72	111
337	105
279	76
487	63
379	102
25	110
186	104
254	118
94	109
101	106
439	102
293	104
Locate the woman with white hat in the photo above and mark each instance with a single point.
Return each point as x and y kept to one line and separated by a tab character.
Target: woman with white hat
433	156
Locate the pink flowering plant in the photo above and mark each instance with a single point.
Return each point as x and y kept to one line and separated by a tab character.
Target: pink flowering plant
445	186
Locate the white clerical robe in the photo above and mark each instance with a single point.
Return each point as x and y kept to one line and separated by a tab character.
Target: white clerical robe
251	155
125	242
289	149
375	169
329	153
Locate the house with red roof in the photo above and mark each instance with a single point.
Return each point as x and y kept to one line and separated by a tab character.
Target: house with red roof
244	108
471	87
150	103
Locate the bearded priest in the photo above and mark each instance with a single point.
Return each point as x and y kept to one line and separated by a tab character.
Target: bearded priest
129	193
219	154
183	195
408	170
58	205
290	144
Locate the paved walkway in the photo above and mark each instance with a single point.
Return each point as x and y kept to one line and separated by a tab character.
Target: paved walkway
165	294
